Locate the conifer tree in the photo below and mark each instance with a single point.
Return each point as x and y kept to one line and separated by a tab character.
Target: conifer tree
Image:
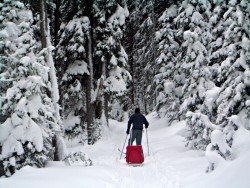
167	76
233	60
71	55
111	59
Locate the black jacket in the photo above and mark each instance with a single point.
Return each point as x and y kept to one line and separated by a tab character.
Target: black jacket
138	120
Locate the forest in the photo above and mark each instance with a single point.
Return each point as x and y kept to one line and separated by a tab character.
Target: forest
69	68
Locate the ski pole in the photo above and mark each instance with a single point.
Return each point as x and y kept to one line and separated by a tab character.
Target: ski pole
147	140
124	145
130	137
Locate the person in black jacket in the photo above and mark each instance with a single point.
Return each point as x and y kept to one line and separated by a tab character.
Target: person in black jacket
137	119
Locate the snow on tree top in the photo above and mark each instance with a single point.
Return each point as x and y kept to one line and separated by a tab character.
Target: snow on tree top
168	87
116	81
190	35
78	23
78	67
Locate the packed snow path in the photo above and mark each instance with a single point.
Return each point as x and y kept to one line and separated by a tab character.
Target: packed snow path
170	165
154	172
108	170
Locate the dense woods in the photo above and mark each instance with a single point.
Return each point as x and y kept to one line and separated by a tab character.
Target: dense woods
67	67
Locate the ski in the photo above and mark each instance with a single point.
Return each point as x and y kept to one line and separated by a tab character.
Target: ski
135	165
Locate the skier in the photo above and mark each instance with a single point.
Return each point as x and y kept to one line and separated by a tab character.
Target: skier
138	120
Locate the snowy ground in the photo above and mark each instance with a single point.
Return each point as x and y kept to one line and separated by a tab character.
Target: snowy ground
169	165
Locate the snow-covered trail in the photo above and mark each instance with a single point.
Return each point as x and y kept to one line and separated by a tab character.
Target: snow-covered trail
154	172
169	165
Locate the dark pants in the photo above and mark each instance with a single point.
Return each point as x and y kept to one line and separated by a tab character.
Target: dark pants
136	134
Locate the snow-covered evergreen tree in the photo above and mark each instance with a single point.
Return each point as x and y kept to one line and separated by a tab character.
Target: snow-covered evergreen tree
141	47
71	55
233	60
111	59
167	76
199	130
28	125
210	66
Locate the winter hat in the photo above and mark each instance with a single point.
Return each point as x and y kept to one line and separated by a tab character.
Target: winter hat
137	110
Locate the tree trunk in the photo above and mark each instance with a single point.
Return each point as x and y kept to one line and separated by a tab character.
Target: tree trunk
90	78
57	22
89	93
43	23
46	43
104	97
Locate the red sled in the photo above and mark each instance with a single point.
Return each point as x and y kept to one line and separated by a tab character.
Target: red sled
134	155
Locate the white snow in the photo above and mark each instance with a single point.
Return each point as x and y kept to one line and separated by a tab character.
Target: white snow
5	129
196	17
71	121
169	165
116	82
189	10
168	87
113	60
12	161
245	43
171	12
25	15
217	138
230	174
12	29
211	96
118	18
29	131
240	16
78	67
34	105
10	146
